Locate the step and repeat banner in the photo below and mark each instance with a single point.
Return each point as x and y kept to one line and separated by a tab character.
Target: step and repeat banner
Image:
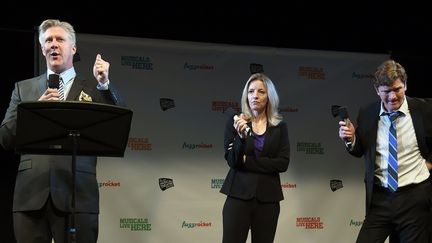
166	187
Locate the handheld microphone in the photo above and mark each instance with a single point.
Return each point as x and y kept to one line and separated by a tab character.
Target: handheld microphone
53	81
229	112
342	112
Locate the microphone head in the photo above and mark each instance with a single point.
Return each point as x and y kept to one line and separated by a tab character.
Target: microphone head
335	110
340	111
53	81
343	112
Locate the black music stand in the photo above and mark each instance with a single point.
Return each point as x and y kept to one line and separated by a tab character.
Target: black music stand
72	128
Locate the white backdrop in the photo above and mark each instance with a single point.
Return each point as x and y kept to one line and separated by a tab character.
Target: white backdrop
179	144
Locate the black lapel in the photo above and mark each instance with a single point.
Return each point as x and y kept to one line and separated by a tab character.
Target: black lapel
417	120
42	85
372	128
269	135
76	88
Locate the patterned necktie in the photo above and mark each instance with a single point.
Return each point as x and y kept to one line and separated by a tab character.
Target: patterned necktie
61	90
392	168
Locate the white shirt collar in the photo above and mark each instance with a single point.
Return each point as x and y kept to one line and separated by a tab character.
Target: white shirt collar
403	108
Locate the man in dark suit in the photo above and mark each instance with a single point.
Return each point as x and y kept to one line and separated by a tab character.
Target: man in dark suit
397	128
42	196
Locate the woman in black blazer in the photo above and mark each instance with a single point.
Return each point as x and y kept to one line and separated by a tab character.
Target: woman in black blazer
256	150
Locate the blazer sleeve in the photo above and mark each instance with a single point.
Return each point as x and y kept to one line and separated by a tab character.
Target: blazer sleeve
8	125
358	150
112	96
275	161
234	146
428	128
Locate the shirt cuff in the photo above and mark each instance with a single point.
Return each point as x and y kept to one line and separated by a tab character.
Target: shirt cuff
103	86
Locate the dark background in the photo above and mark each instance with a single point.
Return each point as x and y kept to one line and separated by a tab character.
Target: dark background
402	30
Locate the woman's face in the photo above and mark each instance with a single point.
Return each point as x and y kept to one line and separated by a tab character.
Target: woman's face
257	96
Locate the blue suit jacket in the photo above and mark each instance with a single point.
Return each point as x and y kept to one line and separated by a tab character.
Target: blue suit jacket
42	175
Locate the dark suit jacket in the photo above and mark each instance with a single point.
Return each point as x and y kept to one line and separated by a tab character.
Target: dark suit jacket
42	175
257	177
366	135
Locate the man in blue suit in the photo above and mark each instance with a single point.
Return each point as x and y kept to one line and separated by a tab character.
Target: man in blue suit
398	195
43	189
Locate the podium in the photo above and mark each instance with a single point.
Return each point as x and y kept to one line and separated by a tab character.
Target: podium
44	128
72	128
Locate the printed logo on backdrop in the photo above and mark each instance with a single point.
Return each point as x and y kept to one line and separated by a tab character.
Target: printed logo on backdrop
195	67
368	76
109	183
224	105
139	144
166	103
135	224
256	68
288	186
197	145
311	223
288	109
165	183
137	62
192	225
217	183
355	223
310	148
311	72
335	184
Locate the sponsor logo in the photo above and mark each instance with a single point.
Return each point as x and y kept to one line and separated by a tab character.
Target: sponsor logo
200	224
166	103
135	224
256	68
335	184
109	183
197	146
310	148
311	72
217	183
165	183
137	62
288	186
139	144
368	76
194	67
355	223
309	223
288	109
224	105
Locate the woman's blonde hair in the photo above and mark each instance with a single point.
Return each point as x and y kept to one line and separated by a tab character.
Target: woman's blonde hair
272	109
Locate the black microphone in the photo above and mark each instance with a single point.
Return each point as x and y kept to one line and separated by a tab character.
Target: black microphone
342	112
229	112
53	81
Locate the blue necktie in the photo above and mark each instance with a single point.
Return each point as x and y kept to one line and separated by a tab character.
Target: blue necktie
392	168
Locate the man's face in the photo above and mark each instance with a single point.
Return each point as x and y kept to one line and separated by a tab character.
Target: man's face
58	49
392	96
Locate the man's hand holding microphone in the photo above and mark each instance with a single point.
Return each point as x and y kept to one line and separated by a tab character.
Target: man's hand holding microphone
347	132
